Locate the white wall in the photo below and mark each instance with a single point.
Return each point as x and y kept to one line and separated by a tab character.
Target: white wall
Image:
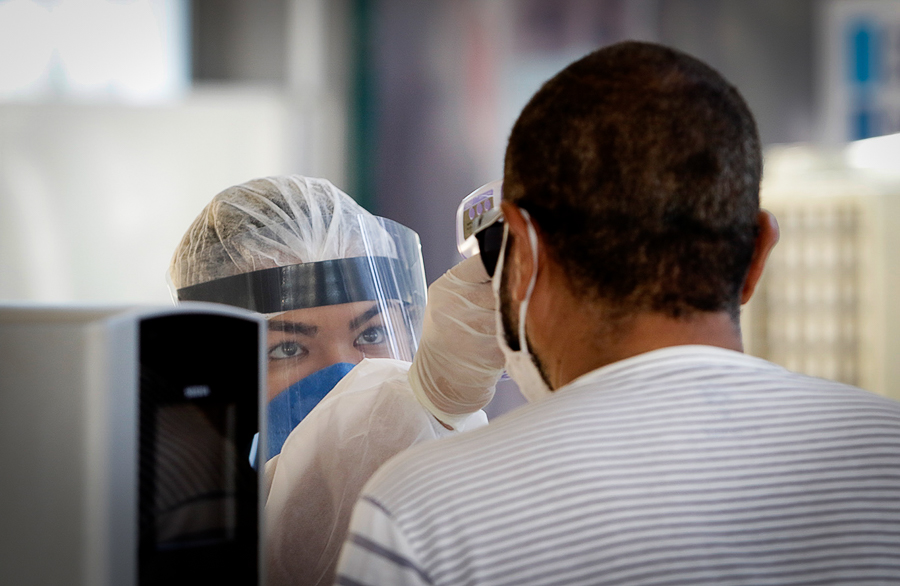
94	198
95	193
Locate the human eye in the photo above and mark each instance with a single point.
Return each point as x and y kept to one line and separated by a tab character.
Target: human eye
287	349
371	336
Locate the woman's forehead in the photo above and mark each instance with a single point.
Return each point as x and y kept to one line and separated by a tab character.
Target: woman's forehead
326	314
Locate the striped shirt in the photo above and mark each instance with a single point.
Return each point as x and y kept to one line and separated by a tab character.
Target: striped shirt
686	465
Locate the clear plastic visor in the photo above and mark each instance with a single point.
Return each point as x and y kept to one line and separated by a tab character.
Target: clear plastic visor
326	316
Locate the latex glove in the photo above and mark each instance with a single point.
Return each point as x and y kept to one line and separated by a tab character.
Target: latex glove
458	361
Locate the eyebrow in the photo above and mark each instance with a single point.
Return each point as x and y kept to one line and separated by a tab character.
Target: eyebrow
293	327
364	317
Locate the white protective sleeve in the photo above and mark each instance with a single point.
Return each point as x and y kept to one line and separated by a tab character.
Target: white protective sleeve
459	361
371	415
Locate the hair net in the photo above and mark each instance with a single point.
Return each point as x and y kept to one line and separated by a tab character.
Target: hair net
276	222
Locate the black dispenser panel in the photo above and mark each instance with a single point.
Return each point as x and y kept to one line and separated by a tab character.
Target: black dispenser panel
198	493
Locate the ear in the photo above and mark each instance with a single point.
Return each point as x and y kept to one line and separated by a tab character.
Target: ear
518	255
765	240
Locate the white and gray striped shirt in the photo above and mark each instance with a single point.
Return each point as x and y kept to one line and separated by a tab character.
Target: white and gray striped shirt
687	465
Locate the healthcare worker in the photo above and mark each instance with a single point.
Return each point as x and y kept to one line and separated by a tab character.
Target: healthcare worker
343	292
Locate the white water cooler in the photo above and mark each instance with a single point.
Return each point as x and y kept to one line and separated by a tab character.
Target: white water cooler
126	440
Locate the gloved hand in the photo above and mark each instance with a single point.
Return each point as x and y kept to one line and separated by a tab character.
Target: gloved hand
458	361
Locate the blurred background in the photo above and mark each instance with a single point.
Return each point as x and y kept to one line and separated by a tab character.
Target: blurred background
120	119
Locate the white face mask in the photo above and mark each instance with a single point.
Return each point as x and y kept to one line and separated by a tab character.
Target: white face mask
519	363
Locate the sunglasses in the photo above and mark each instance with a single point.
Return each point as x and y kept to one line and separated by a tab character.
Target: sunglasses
479	225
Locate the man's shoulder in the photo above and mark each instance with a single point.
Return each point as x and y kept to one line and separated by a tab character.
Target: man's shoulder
711	367
440	465
663	396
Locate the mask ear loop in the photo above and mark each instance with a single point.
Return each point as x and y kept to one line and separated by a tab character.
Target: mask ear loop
523	308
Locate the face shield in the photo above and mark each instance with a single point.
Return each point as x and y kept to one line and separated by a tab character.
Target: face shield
335	283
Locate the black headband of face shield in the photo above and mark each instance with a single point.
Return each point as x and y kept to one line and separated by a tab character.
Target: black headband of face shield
328	282
490	240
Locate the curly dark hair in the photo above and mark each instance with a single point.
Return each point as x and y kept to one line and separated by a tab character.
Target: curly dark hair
641	165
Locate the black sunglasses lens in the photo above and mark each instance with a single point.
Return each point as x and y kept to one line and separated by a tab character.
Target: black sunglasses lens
489	242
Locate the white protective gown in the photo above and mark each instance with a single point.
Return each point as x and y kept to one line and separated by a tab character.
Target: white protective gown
379	409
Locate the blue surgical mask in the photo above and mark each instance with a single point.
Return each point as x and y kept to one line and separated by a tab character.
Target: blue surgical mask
291	405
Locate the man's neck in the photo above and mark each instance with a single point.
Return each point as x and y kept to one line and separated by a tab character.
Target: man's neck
579	340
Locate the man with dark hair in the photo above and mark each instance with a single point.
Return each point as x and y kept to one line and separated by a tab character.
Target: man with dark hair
644	172
654	451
